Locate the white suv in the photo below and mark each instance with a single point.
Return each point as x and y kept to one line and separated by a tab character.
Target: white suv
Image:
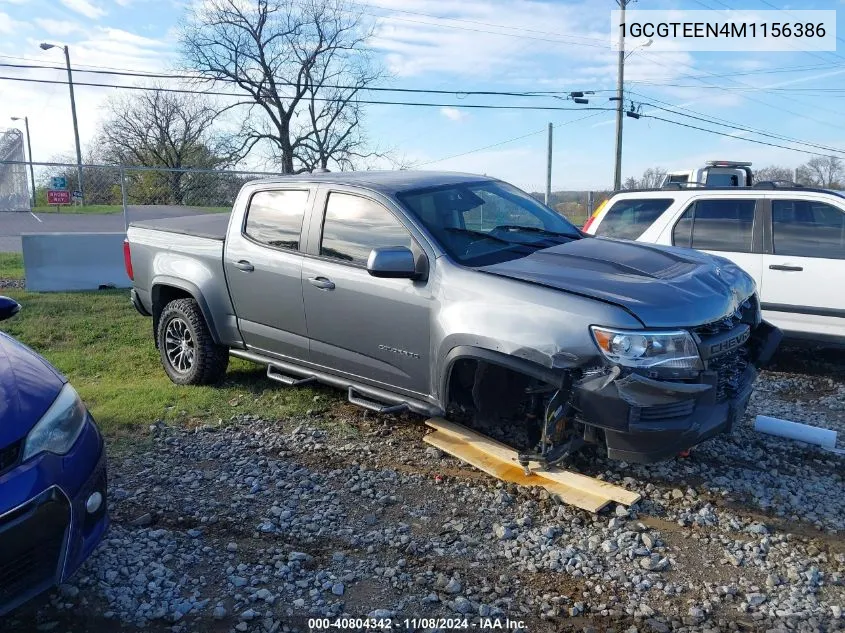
791	240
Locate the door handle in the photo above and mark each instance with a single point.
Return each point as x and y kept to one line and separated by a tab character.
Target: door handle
786	267
321	282
244	266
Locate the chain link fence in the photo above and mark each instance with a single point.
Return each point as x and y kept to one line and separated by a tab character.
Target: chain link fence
109	189
113	196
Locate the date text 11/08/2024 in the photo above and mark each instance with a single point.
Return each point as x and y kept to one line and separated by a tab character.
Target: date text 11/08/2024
414	624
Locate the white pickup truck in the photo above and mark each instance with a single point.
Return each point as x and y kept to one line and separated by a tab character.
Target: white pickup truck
716	173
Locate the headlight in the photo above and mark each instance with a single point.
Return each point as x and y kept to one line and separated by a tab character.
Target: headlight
59	428
632	348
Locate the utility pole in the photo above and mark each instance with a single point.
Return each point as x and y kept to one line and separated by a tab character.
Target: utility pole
549	167
620	99
29	152
45	46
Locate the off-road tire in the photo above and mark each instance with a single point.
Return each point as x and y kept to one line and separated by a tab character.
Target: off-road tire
208	361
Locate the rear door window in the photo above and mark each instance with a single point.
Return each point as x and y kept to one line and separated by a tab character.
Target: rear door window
274	218
807	228
717	225
630	217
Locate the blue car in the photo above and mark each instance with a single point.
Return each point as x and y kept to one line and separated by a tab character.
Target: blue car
52	474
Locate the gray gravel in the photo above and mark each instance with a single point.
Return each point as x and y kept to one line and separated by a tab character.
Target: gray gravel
248	525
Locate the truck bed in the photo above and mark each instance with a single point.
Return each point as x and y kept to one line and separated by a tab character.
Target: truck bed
212	226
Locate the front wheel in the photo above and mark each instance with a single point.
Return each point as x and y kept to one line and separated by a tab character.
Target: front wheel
188	352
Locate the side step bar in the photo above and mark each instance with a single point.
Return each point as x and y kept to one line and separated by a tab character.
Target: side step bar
371	398
274	374
372	405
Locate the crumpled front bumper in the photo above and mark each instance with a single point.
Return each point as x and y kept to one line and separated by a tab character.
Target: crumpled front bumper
646	420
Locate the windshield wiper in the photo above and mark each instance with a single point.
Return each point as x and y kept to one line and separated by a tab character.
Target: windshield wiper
533	229
495	238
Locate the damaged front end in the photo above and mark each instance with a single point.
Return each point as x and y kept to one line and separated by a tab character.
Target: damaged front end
647	414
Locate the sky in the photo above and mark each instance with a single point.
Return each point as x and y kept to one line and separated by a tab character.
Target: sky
500	45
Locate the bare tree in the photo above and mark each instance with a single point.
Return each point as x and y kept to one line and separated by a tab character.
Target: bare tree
152	128
821	171
300	63
774	173
651	178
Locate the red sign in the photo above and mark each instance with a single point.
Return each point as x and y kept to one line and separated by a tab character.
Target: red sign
58	196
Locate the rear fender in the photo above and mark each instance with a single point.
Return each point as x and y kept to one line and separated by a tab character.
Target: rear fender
160	287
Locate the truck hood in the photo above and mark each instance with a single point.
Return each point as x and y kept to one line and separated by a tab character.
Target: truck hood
28	386
662	286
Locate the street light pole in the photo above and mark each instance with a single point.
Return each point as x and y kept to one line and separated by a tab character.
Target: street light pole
45	46
29	153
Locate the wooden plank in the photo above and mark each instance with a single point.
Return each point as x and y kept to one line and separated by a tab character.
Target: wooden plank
512	473
590	485
501	451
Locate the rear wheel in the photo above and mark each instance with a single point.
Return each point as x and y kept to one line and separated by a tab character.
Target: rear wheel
188	352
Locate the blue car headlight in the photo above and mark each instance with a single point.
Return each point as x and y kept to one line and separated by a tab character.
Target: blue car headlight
59	428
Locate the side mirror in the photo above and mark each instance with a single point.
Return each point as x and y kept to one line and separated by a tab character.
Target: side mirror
8	308
392	262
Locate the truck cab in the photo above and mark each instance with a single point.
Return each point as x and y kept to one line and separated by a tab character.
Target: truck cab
715	173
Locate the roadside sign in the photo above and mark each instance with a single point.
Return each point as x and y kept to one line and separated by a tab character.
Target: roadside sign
55	196
58	182
76	195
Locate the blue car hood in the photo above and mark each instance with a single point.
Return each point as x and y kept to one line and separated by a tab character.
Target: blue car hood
663	286
28	386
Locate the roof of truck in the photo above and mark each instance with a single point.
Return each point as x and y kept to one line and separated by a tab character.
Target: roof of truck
383	181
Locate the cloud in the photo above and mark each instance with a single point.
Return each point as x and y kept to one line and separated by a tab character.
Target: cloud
8	26
59	27
86	8
453	114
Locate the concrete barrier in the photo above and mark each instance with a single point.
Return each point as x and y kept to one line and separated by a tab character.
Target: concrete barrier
73	261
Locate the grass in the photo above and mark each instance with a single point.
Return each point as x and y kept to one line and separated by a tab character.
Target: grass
11	266
106	349
108	209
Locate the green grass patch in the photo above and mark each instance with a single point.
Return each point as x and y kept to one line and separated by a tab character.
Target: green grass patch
11	266
107	351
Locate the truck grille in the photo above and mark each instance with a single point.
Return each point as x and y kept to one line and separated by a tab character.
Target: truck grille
33	539
729	368
9	456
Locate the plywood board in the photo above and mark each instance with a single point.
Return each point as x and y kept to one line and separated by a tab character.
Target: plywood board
506	454
512	473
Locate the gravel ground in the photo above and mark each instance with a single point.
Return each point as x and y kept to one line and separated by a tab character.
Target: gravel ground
251	525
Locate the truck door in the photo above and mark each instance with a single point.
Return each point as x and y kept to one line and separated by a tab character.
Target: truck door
376	330
263	265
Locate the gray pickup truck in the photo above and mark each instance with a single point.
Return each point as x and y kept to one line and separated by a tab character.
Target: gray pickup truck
455	294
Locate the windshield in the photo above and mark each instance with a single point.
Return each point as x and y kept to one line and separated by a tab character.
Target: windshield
481	223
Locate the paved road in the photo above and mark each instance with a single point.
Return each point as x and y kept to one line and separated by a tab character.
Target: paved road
13	224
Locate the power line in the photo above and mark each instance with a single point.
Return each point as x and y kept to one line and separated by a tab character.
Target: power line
760	101
532	93
476	30
749	140
736	126
479	106
506	141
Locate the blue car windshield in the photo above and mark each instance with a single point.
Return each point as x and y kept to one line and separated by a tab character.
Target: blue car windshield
486	222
